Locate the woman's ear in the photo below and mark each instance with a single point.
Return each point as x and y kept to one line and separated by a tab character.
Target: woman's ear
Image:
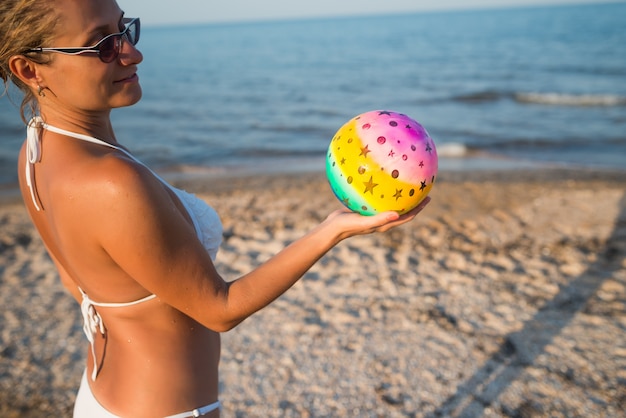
26	70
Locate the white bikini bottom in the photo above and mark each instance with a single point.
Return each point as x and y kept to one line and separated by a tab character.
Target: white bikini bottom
87	406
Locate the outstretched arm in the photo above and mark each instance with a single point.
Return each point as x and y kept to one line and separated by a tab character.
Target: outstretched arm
151	241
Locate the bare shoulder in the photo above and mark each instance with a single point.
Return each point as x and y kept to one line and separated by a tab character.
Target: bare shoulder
118	180
112	190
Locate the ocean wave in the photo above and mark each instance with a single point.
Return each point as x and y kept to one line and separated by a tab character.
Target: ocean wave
548	144
481	96
550	98
562	99
592	68
452	150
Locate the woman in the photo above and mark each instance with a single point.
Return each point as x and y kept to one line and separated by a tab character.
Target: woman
133	251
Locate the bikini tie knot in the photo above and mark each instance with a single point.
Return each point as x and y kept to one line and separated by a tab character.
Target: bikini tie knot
92	323
33	154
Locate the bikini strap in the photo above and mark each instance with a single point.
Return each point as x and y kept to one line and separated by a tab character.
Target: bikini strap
198	412
80	136
93	323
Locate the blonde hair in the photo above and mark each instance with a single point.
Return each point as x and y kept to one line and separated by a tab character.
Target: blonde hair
24	24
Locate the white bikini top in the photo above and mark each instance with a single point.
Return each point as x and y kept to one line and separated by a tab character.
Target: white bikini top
205	220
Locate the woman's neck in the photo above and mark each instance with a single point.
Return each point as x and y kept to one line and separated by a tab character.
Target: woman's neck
90	124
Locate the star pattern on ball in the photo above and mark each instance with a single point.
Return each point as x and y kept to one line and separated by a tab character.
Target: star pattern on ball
398	194
369	185
364	151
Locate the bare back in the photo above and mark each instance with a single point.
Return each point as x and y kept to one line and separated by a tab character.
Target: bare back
151	350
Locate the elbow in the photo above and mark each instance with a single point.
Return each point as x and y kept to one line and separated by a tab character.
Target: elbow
223	324
224	315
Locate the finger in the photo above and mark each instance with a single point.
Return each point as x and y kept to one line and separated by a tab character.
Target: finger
410	214
404	218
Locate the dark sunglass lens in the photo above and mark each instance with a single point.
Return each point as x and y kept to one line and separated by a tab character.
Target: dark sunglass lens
132	33
109	48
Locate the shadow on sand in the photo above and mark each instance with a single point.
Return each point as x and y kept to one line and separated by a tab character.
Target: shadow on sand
521	348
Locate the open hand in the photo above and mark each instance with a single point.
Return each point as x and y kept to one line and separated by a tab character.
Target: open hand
351	223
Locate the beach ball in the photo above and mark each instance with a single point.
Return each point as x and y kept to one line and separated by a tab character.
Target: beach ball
380	161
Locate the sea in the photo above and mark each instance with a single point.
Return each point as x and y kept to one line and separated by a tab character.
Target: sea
495	88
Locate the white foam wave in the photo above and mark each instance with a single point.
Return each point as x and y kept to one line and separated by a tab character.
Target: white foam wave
452	150
561	99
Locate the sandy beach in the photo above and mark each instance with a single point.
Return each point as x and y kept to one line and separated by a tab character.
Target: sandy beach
505	298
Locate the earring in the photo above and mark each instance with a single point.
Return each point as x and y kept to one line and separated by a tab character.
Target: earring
40	91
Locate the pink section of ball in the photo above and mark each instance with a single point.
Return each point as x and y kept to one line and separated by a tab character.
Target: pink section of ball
399	144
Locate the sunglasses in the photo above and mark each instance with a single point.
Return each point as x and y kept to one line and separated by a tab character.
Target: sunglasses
108	49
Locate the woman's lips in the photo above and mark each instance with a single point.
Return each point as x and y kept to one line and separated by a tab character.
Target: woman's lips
132	78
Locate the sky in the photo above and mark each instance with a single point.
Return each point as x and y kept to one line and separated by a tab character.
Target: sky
204	11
